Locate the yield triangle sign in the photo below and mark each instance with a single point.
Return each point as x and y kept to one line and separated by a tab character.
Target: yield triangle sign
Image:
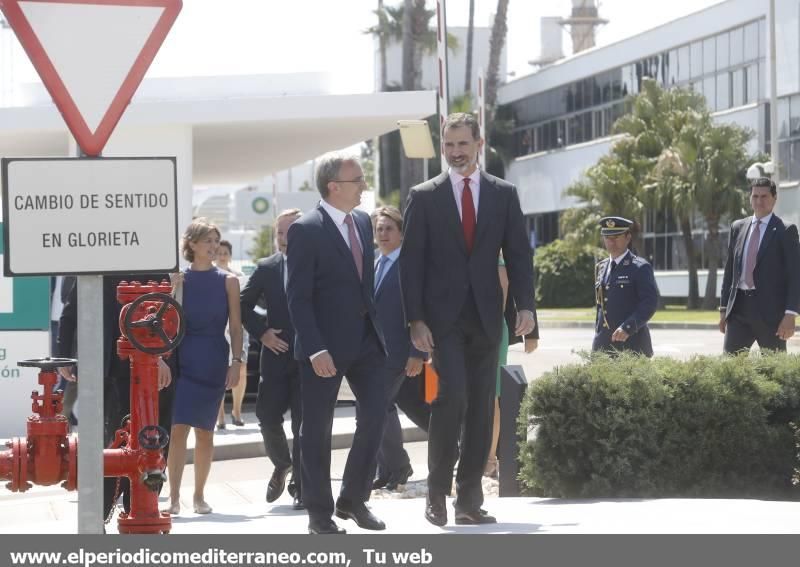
91	55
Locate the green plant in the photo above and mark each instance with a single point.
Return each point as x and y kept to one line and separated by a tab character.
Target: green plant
565	274
632	427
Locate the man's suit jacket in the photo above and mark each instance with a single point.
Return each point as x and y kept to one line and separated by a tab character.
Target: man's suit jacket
328	304
389	305
437	272
776	274
267	282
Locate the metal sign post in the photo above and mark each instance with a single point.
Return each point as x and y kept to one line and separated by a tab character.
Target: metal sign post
90	216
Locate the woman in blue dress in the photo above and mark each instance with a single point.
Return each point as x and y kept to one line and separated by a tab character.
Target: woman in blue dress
210	299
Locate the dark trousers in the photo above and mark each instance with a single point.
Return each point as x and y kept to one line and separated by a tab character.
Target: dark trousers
279	391
392	457
118	406
466	360
318	401
745	325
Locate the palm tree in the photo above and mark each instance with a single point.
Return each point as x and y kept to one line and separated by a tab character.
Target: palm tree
497	40
470	34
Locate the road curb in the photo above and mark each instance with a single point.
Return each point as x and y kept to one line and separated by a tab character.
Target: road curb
252	449
589	325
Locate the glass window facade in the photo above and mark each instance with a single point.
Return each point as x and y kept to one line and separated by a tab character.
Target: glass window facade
789	137
727	68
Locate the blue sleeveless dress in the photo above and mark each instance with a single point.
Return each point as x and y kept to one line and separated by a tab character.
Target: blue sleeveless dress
203	353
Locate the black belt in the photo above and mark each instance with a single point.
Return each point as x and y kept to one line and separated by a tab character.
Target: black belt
746	292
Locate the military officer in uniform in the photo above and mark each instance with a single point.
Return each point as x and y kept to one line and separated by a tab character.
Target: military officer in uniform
626	293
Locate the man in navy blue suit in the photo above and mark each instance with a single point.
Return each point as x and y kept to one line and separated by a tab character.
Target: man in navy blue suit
760	296
394	466
332	307
279	387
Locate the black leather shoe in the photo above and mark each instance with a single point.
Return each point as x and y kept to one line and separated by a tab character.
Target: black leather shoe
399	478
360	514
435	510
277	483
474	518
297	503
326	526
381	481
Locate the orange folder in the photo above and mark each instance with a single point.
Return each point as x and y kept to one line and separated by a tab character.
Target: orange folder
431	383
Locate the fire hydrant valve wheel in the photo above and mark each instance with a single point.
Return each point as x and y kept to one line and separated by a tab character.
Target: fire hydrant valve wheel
153	437
47	364
154	323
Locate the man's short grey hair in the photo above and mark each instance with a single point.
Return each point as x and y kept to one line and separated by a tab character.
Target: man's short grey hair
328	167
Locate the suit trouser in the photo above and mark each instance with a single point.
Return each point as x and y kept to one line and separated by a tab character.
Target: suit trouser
318	401
279	391
745	325
392	457
466	360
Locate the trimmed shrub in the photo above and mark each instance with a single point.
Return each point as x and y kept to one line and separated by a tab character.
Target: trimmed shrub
633	427
565	275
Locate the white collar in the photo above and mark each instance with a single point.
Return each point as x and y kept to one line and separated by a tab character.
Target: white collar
764	220
456	178
337	215
619	258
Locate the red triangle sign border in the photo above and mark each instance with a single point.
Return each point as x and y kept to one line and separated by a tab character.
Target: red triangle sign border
91	143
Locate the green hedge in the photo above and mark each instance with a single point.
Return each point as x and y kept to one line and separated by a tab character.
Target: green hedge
564	275
633	427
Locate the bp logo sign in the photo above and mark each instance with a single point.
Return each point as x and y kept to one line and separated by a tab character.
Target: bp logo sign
260	205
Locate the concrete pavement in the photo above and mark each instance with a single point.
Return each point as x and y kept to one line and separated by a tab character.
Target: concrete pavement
238	479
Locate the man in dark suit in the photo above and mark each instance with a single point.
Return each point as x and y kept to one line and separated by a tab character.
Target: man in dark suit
760	296
625	291
394	465
456	226
332	306
279	387
117	374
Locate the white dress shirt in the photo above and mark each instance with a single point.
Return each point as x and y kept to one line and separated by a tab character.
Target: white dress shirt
338	217
762	228
457	181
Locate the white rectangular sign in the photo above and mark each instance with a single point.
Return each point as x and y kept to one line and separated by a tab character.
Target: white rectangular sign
89	215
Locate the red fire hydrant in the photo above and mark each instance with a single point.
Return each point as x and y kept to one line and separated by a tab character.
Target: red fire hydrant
47	455
151	325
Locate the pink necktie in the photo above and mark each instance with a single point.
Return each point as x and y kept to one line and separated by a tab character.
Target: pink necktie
752	254
355	247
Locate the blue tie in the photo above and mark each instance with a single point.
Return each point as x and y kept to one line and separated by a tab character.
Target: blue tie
381	267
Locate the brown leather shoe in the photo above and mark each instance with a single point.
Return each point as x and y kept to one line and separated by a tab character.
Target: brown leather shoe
435	510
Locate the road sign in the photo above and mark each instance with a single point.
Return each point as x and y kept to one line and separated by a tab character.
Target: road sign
89	216
91	55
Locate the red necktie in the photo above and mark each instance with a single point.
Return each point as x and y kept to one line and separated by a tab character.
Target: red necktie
355	247
468	215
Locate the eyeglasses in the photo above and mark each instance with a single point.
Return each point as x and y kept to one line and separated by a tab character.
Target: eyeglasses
357	181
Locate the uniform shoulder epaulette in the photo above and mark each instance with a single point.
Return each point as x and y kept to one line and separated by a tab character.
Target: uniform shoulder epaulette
638	260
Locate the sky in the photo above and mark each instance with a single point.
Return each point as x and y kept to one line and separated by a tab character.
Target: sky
228	37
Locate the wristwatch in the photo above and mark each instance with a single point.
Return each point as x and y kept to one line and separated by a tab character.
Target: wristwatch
237	359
